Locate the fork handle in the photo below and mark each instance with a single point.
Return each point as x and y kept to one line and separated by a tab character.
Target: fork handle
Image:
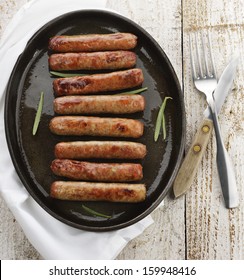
225	167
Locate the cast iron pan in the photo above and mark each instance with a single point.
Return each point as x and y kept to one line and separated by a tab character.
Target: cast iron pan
32	155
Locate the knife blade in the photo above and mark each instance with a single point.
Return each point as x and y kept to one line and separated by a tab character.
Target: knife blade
196	151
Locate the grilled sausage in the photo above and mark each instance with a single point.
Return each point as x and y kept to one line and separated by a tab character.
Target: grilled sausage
103	172
95	126
92	61
93	42
100	149
86	191
113	104
98	82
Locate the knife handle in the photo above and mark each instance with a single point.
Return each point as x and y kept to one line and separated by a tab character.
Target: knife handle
193	158
225	169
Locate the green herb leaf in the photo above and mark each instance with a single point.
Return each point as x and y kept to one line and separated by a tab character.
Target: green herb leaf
38	114
164	127
133	91
66	75
94	213
161	121
158	124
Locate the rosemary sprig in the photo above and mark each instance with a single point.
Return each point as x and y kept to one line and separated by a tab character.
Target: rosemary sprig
133	91
66	75
95	213
38	114
160	122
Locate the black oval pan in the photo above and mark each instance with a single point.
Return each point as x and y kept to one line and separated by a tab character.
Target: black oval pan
32	155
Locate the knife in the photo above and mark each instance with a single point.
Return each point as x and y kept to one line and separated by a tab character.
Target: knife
195	153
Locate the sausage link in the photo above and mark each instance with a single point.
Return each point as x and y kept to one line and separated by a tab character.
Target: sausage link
92	42
117	80
100	149
95	126
86	191
92	61
103	172
113	104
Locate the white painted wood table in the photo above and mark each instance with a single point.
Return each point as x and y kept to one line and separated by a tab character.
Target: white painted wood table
195	226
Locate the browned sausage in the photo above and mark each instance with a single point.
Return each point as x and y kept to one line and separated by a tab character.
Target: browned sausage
100	149
86	191
113	104
95	126
93	42
117	80
92	61
103	172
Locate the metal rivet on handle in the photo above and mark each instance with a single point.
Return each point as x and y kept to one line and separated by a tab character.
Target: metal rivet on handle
197	148
205	128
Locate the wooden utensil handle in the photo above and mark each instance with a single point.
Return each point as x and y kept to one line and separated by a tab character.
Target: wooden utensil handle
193	158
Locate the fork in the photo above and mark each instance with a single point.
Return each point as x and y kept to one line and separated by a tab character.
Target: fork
204	77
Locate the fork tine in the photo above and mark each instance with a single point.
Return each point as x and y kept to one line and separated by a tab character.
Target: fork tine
193	68
205	55
205	66
211	54
198	57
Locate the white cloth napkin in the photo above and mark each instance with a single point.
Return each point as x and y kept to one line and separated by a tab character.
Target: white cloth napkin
51	238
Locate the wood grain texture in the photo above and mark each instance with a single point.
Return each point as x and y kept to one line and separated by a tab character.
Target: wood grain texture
7	9
195	226
214	232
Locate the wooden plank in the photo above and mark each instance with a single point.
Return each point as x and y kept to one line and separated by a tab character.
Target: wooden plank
213	232
165	239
